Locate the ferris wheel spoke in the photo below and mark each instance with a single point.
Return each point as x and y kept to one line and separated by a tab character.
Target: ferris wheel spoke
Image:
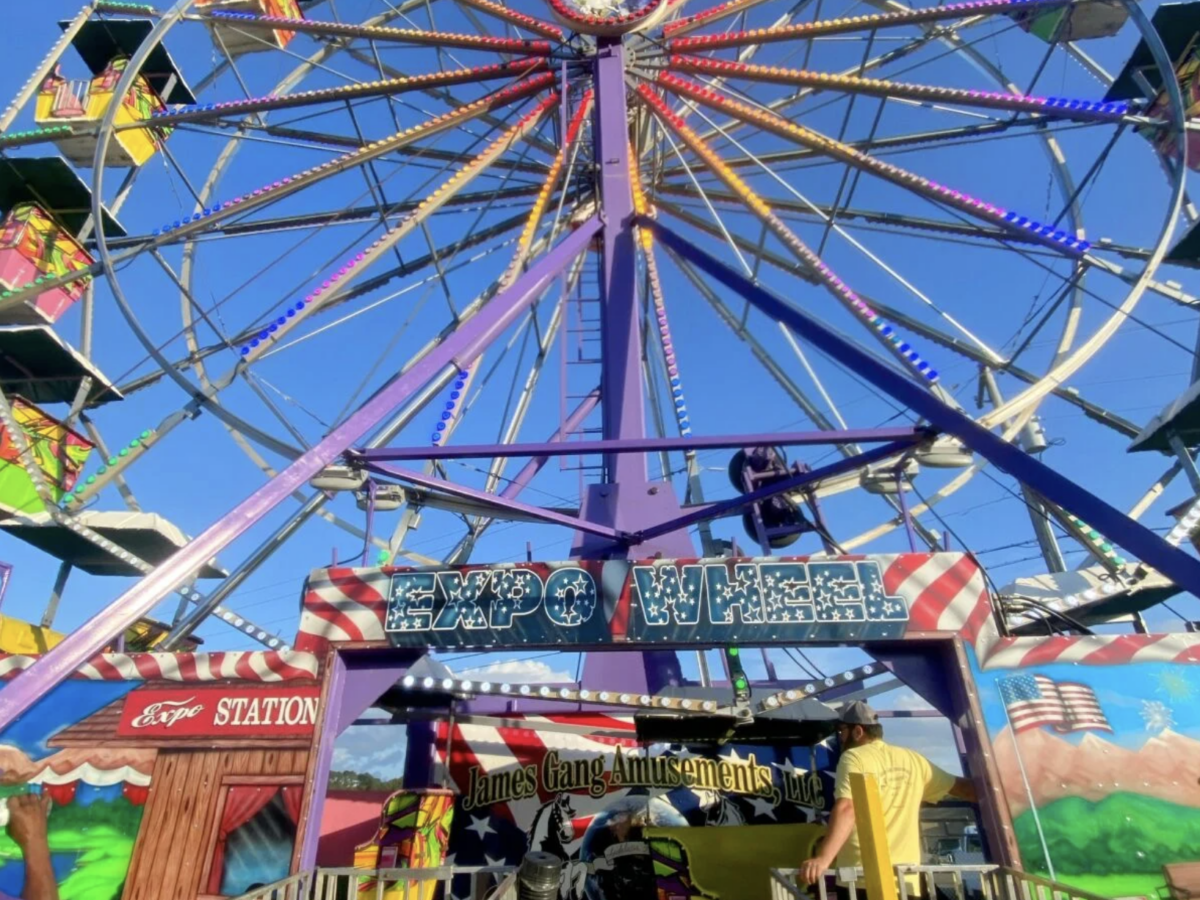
771	366
1092	410
218	112
354	268
964	134
687	24
966	13
838	289
830	218
1046	235
1055	107
884	221
525	244
239	22
272	192
529	23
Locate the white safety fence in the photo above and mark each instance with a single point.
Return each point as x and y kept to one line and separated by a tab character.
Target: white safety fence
977	882
486	883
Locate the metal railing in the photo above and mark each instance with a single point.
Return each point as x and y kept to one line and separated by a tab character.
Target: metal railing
487	883
976	882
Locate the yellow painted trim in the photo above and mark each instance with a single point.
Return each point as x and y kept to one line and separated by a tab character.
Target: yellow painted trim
872	837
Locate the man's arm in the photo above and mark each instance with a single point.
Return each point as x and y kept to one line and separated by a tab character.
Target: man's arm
841	826
27	815
963	789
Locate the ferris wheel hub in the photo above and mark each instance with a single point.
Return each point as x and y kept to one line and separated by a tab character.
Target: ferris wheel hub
611	18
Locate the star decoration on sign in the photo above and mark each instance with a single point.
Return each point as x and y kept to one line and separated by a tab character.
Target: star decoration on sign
481	825
762	807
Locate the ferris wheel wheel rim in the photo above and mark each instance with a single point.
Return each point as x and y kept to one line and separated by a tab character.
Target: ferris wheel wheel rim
233	421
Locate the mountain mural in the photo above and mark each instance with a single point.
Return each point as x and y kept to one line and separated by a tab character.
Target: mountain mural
1165	767
17	768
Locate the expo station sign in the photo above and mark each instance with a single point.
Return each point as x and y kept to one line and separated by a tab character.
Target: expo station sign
220	712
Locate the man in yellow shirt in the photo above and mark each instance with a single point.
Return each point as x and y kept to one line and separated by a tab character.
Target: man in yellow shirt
906	779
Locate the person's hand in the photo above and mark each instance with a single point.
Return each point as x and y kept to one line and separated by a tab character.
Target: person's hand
27	815
811	870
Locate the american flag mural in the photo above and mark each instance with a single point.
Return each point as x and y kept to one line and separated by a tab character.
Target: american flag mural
1035	701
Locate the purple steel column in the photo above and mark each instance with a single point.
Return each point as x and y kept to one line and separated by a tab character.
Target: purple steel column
458	350
626	501
621	343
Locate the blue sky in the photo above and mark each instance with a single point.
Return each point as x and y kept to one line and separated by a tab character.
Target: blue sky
198	473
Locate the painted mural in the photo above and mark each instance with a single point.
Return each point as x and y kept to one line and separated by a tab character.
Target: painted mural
1101	768
80	829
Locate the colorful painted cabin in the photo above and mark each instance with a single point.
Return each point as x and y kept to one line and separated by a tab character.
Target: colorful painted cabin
44	205
58	452
147	804
106	46
1075	22
414	832
1178	26
238	41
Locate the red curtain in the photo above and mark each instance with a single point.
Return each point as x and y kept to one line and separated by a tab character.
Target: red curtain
61	794
136	793
293	797
242	804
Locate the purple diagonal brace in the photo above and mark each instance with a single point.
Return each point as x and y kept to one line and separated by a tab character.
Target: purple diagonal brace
724	507
499	503
459	350
1177	565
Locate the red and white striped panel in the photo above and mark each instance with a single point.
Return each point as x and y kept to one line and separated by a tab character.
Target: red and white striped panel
945	592
1093	650
343	604
256	665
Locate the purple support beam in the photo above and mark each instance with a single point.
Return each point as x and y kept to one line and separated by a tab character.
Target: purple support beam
645	445
1139	540
500	505
322	759
458	351
621	342
726	507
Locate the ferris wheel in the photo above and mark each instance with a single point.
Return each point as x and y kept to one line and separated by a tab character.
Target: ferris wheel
292	206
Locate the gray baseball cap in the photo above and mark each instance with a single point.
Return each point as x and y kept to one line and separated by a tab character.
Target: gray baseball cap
858	713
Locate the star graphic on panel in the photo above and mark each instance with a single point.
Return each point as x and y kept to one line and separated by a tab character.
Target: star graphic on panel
481	825
787	767
492	862
762	807
733	756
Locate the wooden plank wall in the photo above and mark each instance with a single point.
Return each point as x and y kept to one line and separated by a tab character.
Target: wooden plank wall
169	859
